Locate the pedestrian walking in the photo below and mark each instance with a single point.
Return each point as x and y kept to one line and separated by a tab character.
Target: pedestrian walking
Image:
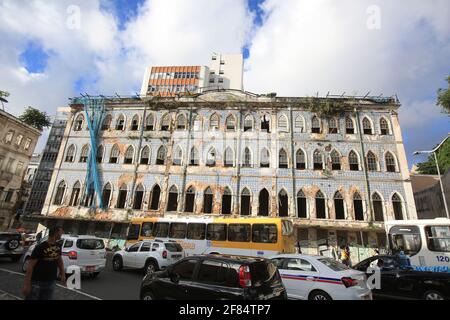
42	270
345	255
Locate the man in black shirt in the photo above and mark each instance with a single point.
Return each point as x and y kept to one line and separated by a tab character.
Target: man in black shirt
42	270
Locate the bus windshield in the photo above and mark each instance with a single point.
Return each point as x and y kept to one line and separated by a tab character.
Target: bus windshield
406	239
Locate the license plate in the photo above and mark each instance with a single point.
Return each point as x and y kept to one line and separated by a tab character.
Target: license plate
90	269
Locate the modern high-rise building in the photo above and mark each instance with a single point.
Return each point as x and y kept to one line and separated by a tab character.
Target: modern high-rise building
225	72
44	172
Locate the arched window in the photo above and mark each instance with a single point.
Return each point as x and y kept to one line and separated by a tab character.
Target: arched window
138	197
211	158
265	123
246	206
335	160
318	160
172	203
208	200
349	126
358	207
135	123
300	160
372	163
161	156
150	122
155	195
198	123
70	155
248	123
283	123
177	156
226	201
106	124
106	195
129	155
265	158
165	122
190	200
78	125
89	196
384	127
320	206
194	160
84	154
60	190
397	206
181	122
75	194
214	122
367	126
100	151
231	123
333	127
353	161
302	209
390	162
264	198
122	199
299	124
229	157
283	159
120	124
114	157
247	163
19	139
145	155
377	203
316	126
339	208
283	204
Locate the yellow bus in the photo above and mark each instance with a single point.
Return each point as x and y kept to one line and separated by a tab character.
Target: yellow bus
250	236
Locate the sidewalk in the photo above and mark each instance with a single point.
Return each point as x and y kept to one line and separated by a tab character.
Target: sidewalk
11	288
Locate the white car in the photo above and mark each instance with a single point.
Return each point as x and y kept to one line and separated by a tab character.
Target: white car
149	256
309	277
86	252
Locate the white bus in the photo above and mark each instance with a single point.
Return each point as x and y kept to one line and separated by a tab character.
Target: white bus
426	242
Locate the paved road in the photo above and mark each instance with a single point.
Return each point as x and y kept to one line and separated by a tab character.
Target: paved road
109	285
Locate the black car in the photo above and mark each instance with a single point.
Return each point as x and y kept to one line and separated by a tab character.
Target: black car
215	277
400	281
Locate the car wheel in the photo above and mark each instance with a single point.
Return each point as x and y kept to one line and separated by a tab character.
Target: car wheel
433	295
147	295
150	267
117	264
319	296
25	264
12	244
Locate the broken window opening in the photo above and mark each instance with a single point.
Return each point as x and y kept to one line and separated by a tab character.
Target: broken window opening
358	207
339	206
265	123
172	203
283	204
226	202
138	197
154	202
122	199
246	206
208	201
320	206
301	205
263	203
190	200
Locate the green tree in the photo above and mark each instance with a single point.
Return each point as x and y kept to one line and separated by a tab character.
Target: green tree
443	155
443	98
36	118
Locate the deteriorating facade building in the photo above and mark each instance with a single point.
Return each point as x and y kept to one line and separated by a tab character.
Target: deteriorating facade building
335	165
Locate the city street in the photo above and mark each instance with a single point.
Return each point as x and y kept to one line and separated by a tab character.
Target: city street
109	285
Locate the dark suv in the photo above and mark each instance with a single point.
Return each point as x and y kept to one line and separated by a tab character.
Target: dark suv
215	277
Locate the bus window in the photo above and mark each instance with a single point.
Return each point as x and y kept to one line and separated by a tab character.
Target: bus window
438	238
160	230
216	232
239	232
177	230
133	232
146	230
406	239
264	233
196	231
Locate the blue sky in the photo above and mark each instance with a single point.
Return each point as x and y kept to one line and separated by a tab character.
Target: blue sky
292	47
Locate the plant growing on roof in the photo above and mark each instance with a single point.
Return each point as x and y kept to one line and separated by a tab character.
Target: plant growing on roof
325	108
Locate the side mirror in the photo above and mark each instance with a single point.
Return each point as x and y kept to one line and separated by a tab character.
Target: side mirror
174	277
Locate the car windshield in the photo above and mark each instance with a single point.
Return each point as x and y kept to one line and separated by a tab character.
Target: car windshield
333	264
90	244
174	247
